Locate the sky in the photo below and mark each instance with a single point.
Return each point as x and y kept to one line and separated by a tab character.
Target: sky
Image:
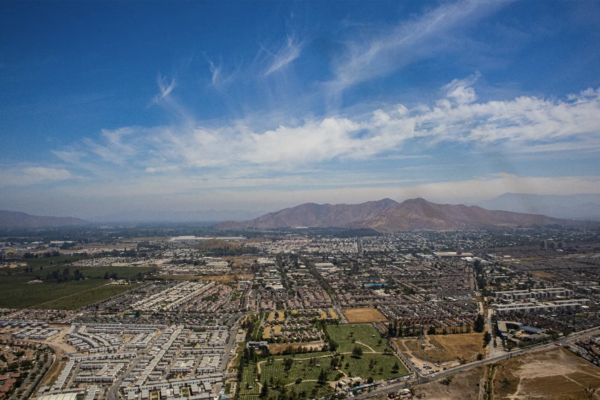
111	107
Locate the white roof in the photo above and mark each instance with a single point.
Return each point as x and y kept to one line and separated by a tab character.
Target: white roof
64	396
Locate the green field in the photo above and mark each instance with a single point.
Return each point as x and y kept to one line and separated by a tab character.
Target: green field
81	299
344	335
372	364
362	366
300	369
15	292
248	380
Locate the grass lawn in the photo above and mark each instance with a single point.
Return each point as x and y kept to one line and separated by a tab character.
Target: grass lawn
300	369
248	379
344	335
362	366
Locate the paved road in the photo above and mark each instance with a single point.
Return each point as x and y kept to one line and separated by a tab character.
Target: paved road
113	392
230	344
41	371
564	341
492	345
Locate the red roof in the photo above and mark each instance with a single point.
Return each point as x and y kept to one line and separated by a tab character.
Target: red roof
7	385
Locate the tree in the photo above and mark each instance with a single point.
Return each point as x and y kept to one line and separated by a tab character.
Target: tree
487	338
431	330
264	392
479	324
370	380
357	352
322	377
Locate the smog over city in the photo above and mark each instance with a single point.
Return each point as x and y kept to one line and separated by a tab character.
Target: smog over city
300	200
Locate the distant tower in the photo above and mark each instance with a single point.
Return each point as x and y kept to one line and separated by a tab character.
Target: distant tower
544	244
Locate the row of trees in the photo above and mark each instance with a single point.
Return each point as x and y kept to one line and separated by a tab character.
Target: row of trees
65	276
396	329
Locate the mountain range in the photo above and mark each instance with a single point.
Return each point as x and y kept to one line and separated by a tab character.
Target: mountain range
390	216
575	206
11	219
142	215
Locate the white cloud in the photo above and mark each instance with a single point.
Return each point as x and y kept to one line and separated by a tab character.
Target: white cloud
32	175
165	88
461	90
285	55
523	125
408	42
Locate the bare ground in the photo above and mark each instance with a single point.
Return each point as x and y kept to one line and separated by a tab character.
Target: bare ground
358	315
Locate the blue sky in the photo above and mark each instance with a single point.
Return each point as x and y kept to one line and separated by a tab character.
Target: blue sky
117	106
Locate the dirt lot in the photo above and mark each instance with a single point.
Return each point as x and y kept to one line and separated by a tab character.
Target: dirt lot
241	262
462	386
214	278
226	278
554	374
358	315
542	274
547	374
275	348
442	348
465	346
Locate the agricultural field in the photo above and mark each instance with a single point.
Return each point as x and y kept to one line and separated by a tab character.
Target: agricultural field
15	292
360	315
348	336
82	299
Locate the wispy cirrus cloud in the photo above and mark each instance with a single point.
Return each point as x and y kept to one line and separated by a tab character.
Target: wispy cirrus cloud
409	41
287	53
26	176
165	87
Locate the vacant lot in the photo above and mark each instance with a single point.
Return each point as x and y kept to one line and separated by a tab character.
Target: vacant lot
542	274
443	348
226	278
277	348
358	315
461	386
464	346
213	278
545	374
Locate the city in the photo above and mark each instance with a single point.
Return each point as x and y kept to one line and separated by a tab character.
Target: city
287	314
